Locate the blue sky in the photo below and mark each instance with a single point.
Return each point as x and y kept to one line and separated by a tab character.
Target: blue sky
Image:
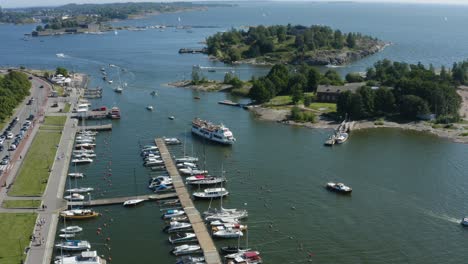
27	3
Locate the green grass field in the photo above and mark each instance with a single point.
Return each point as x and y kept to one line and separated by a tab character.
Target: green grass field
34	172
66	108
16	230
21	203
323	107
55	121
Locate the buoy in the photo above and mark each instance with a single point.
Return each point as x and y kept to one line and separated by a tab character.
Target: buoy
98	232
99	229
109	258
105	224
108	239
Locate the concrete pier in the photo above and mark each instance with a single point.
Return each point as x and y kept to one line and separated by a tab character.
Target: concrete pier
121	200
204	239
97	127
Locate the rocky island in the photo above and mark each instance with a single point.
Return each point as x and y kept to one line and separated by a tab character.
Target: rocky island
314	45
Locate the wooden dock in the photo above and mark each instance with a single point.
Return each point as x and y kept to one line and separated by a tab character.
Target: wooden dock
121	200
98	127
204	239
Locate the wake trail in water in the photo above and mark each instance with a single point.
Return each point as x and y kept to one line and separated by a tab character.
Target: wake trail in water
441	216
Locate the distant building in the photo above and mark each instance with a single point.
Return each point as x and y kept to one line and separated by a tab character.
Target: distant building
329	93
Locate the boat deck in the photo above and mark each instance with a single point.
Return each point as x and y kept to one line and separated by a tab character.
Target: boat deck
204	239
121	200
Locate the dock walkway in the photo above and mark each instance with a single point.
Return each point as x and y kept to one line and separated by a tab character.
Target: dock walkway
97	127
206	243
121	200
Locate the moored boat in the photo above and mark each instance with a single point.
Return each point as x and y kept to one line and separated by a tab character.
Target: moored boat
339	187
173	213
247	257
182	238
80	190
233	249
86	257
190	260
149	108
71	229
76	175
216	133
66	235
186	249
82	160
79	214
175	226
222	232
211	193
464	221
133	202
74	245
204	180
341	138
74	197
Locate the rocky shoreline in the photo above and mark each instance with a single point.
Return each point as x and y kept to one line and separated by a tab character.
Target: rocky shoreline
209	86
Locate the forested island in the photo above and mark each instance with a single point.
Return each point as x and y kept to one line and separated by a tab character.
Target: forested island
14	87
314	45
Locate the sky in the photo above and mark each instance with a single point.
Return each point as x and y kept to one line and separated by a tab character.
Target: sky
29	3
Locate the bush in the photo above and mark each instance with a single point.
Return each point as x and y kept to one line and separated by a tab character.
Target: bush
302	116
353	77
307	101
379	122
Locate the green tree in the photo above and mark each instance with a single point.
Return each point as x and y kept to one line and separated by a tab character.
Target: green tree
368	99
297	93
351	41
39	28
411	106
259	91
384	101
195	77
354	77
313	79
62	71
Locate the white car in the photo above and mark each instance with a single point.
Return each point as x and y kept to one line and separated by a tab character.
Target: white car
10	135
1	141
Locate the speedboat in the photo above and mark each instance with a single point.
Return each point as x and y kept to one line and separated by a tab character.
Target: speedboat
186	159
173	213
71	229
81	151
86	257
186	249
175	226
85	146
66	235
190	260
80	190
341	138
163	188
182	237
204	180
74	245
339	187
464	221
82	160
233	249
74	197
149	107
210	193
171	118
76	175
250	257
221	232
79	214
172	141
149	148
133	202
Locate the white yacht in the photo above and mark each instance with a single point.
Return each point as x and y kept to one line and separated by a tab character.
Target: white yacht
76	175
173	213
82	160
186	249
204	180
216	133
74	245
133	202
186	159
71	229
222	232
86	257
210	193
74	197
175	226
182	237
190	171
80	190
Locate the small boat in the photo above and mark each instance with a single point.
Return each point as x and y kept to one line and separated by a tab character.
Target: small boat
76	175
190	171
196	97
110	81
182	237
172	141
149	107
82	160
211	193
153	162
464	221
74	197
149	148
341	138
175	226
80	190
133	202
225	215
222	232
169	202
186	249
204	180
86	257
171	118
163	188
245	257
84	155
186	159
74	245
330	141
339	187
233	249
85	146
225	222
118	90
172	213
158	168
187	165
79	214
153	93
190	260
71	229
66	235
182	218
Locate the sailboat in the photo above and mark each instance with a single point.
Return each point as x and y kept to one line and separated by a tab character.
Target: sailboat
119	88
136	201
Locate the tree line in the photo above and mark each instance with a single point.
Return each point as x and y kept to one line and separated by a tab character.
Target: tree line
14	87
407	90
261	40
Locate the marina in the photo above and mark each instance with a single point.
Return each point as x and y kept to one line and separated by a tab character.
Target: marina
121	200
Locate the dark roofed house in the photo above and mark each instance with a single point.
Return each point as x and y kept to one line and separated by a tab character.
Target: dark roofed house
329	93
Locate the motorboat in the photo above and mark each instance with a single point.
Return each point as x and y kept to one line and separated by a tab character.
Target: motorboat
339	187
175	226
224	214
216	133
169	202
233	249
83	151
153	162
204	180
172	141
80	190
86	257
187	165
173	213
245	257
149	148
79	214
341	138
224	222
186	249
74	245
171	117
182	238
163	188
133	202
74	197
221	232
82	160
158	168
151	156
464	221
84	155
190	260
84	140
190	171
85	146
149	107
155	184
211	193
66	235
186	159
76	175
182	218
71	229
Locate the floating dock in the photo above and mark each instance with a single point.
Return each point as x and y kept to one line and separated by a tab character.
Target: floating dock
121	200
105	127
204	239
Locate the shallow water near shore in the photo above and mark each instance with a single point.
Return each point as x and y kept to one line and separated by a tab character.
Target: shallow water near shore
408	187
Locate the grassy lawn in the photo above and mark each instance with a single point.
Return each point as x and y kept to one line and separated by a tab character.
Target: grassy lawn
21	203
323	107
59	89
55	121
66	108
280	100
16	230
56	128
34	172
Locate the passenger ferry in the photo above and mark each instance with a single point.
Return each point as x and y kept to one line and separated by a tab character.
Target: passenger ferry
217	133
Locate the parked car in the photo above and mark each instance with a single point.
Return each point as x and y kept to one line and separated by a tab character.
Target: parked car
9	135
4	162
12	147
31	117
1	147
42	86
1	141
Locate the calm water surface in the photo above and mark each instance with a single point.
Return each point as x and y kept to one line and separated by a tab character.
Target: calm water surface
409	188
